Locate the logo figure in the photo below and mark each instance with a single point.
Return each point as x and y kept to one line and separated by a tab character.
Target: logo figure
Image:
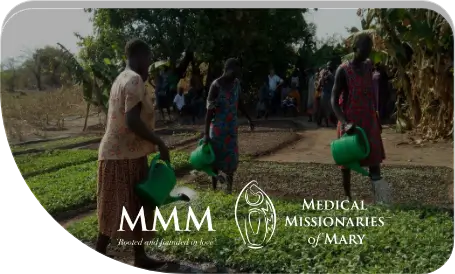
258	224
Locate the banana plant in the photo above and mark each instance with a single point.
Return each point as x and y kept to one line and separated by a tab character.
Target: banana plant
420	45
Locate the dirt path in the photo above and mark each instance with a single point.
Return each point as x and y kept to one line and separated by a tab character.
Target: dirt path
314	147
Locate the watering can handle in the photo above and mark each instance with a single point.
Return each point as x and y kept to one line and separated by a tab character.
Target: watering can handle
201	142
154	161
367	142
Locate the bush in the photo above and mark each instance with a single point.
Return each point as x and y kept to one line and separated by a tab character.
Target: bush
29	113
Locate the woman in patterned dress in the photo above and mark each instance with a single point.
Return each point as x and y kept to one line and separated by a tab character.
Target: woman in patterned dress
122	158
221	124
354	104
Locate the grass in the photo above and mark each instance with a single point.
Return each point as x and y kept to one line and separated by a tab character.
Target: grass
74	186
50	145
414	240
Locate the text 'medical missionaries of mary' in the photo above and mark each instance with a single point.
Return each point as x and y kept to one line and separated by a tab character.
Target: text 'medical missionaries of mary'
332	221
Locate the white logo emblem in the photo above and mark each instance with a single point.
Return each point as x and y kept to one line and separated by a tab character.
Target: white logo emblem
258	224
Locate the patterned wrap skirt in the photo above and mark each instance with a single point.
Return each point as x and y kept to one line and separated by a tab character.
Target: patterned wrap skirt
116	182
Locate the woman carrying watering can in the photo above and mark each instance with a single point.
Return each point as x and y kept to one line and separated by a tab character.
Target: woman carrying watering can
353	102
221	123
122	157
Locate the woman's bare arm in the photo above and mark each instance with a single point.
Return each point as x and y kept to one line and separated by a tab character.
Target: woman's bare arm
339	86
213	94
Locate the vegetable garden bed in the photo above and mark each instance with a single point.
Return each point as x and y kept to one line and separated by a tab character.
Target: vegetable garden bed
254	144
172	138
418	240
413	239
45	162
66	143
411	185
73	187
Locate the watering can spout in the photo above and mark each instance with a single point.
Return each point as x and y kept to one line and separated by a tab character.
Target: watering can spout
176	198
357	168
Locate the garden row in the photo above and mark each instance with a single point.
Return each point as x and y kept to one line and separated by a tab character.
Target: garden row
418	240
71	184
64	180
413	239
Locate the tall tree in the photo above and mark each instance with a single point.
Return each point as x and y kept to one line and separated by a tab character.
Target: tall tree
260	38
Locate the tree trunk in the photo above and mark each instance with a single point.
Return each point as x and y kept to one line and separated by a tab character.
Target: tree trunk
99	96
38	81
180	69
86	116
208	79
416	111
212	73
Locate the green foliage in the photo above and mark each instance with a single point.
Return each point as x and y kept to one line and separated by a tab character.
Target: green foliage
40	69
260	38
73	186
53	144
39	163
179	159
419	45
418	240
66	189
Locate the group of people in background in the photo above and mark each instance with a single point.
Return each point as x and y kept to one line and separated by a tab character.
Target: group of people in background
320	85
277	94
169	95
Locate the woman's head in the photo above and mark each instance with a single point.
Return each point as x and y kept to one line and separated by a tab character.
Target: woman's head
139	57
232	68
363	44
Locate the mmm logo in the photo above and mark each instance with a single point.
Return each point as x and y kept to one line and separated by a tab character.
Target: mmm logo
191	218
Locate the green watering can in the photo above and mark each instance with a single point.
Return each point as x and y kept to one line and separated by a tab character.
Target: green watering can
203	157
156	188
349	150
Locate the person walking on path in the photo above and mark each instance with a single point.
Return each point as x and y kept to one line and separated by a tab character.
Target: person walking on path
311	94
164	96
264	101
275	83
354	103
317	97
326	83
221	123
295	79
122	156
